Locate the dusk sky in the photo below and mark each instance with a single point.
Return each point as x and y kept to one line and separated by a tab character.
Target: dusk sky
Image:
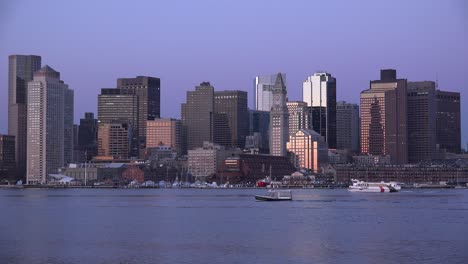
92	43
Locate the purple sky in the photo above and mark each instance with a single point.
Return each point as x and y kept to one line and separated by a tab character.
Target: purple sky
92	43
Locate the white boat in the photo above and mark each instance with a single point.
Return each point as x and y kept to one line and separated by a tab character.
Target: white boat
362	186
275	195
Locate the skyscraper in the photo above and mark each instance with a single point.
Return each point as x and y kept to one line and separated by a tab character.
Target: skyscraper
197	115
20	71
279	133
299	116
259	130
384	118
448	121
347	126
7	158
114	139
232	106
115	107
421	121
263	91
48	125
148	91
319	92
87	135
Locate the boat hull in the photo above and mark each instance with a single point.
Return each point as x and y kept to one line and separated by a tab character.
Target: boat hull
271	199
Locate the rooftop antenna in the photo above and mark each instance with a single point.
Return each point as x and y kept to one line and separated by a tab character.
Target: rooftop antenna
437	81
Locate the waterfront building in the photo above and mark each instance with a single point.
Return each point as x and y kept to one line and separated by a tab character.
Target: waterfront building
49	126
279	132
308	150
263	91
259	124
79	173
384	118
249	168
114	140
347	126
299	116
148	91
436	171
115	107
205	161
164	132
20	71
197	115
7	158
421	121
448	126
231	111
319	92
87	135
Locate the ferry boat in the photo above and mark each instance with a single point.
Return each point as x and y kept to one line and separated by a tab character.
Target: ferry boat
362	186
275	195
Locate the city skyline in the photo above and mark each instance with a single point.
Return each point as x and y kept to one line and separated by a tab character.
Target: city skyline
421	57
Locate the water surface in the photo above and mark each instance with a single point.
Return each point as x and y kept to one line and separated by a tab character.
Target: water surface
229	226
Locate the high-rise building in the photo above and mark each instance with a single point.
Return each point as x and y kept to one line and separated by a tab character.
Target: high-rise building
308	150
48	125
115	107
319	92
78	156
421	121
299	116
448	134
231	109
148	91
20	71
279	132
259	130
7	158
164	132
263	91
347	126
87	135
114	140
384	118
197	115
68	126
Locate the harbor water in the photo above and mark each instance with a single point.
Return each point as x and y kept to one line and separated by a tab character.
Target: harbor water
229	226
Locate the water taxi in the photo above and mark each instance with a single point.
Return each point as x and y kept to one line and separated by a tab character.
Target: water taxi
275	195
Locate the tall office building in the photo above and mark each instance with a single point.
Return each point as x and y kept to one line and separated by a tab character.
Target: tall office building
319	92
7	158
384	118
347	126
448	134
87	136
279	132
299	116
164	132
114	139
115	107
48	125
20	71
263	91
259	130
148	91
68	126
421	121
231	109
197	115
